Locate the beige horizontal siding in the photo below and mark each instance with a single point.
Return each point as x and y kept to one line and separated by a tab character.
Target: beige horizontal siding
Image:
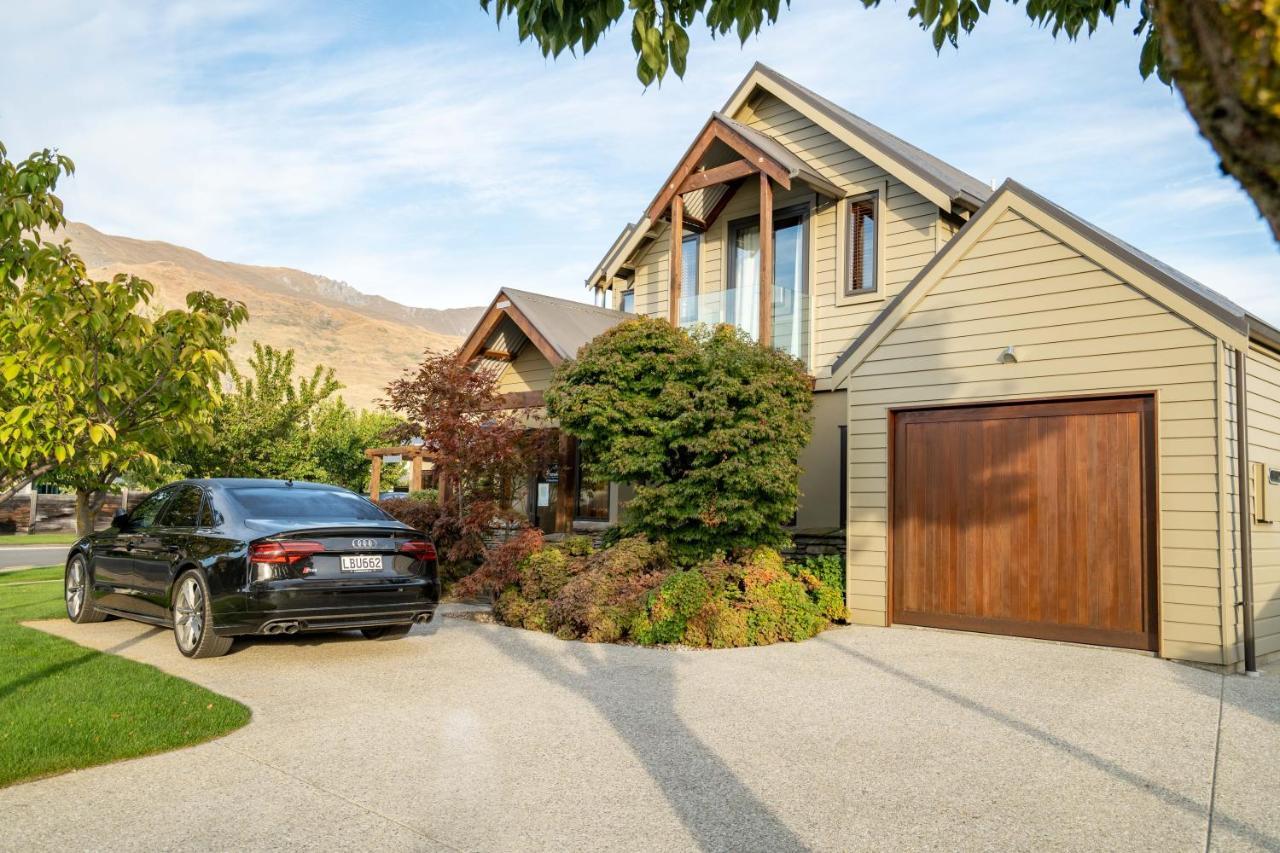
1076	329
529	371
1263	381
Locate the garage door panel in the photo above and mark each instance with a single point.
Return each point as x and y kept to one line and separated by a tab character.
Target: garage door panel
1032	519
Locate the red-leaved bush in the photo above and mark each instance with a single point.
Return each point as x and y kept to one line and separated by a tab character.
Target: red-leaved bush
501	567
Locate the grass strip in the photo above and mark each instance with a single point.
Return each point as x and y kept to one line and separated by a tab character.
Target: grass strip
64	707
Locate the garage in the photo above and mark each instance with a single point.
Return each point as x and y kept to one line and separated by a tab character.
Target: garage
1034	519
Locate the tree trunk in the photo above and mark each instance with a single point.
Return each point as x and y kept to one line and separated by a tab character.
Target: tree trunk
1224	57
88	505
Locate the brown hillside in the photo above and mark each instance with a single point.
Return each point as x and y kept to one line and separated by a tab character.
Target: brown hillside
367	340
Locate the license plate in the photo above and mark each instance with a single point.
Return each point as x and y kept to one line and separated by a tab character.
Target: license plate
362	563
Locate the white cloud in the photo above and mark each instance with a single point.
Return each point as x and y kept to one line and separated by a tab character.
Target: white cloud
420	154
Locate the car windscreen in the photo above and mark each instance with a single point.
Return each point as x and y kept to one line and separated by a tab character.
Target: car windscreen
286	502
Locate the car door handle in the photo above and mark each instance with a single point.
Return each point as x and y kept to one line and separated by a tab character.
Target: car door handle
172	549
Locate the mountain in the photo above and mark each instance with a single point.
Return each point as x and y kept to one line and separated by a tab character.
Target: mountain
367	340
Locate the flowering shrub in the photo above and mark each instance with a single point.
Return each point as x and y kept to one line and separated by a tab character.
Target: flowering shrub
632	591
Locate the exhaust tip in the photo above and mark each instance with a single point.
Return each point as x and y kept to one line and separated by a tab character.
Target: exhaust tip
291	628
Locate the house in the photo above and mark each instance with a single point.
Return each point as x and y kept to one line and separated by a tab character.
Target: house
1021	424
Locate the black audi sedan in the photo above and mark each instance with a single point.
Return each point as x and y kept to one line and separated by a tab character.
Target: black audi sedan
217	559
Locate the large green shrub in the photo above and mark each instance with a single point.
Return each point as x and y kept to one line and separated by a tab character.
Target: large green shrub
708	427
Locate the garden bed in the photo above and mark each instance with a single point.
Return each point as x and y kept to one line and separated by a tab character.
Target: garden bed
633	592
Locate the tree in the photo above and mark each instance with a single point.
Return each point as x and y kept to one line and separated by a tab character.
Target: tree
708	427
477	441
1222	55
84	373
147	429
266	425
341	437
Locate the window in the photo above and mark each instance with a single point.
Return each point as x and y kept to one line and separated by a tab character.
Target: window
862	247
184	508
629	301
592	501
144	514
209	517
689	280
286	502
790	297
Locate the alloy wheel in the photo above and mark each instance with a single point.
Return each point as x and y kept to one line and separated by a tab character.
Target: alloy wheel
75	588
188	611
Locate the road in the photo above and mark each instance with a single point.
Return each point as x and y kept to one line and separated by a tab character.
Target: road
24	556
468	736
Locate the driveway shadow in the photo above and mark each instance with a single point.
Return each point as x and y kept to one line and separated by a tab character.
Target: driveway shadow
713	804
1242	829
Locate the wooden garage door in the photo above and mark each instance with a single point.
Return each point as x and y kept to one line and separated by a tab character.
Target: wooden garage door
1034	519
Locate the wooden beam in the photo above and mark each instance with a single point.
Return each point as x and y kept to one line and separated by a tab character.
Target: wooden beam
717	175
566	493
714	129
498	355
531	332
375	479
752	154
766	261
480	334
522	400
675	260
415	474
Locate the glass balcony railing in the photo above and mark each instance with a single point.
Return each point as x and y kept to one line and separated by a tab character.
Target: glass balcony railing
740	308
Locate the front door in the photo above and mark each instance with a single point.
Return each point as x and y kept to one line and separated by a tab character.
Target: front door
544	497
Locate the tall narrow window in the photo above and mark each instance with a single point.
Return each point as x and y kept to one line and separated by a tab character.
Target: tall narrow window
862	247
789	300
629	301
689	312
593	495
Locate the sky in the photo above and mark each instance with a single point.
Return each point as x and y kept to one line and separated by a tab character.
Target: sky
416	150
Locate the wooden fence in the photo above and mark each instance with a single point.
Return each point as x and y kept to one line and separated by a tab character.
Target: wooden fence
55	513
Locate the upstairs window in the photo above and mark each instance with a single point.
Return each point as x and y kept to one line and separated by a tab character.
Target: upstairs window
629	301
862	247
689	312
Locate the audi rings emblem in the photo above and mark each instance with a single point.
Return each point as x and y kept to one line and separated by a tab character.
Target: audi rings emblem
361	544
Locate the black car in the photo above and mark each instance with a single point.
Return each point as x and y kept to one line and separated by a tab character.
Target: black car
217	559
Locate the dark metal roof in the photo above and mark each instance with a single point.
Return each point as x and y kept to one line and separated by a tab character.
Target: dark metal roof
958	185
567	325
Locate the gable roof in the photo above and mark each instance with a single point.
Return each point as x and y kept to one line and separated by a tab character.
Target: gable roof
937	180
558	328
958	186
1215	307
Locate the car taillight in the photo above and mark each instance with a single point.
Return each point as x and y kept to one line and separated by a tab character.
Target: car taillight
283	552
419	549
272	560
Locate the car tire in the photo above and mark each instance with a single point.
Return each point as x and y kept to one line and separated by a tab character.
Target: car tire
192	615
78	592
386	632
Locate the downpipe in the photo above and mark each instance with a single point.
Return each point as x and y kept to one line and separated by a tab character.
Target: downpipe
1246	524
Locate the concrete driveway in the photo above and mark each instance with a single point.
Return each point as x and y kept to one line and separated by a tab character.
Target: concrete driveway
469	736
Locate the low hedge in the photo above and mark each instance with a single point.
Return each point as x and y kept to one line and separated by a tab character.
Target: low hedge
632	591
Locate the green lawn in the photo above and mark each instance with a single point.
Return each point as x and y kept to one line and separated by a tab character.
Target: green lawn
64	707
11	539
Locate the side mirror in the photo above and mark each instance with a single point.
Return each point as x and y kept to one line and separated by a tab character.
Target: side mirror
120	521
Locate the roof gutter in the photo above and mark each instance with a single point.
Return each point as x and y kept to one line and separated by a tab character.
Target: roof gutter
1246	525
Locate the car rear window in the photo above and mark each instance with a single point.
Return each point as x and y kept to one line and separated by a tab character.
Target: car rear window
304	504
